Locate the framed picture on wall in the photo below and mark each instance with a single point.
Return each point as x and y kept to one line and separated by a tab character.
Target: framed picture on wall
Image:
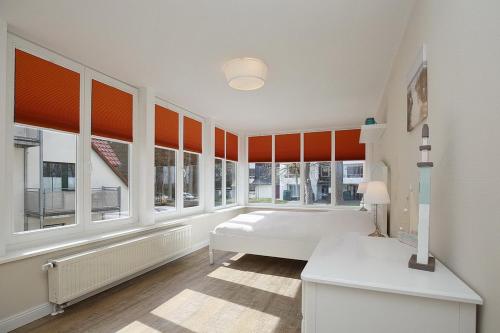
416	92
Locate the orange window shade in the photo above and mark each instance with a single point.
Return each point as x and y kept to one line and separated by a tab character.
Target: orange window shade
260	149
347	146
112	111
231	146
46	95
317	146
220	143
287	148
192	135
166	127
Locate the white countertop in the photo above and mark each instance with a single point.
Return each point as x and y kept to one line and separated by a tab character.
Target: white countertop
381	264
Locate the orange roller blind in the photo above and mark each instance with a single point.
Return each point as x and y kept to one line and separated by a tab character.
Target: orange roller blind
287	148
166	127
220	143
260	149
231	146
347	146
192	135
318	146
46	95
112	111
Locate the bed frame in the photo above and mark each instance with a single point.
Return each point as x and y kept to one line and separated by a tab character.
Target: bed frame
289	249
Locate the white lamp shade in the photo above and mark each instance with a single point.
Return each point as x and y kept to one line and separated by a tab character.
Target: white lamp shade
245	73
376	193
362	187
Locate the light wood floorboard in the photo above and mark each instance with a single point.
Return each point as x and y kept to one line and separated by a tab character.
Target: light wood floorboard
239	293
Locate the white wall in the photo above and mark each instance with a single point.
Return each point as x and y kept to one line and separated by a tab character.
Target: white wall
59	147
463	44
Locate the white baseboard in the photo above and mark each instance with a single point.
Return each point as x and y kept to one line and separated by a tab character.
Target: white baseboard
198	246
42	310
25	317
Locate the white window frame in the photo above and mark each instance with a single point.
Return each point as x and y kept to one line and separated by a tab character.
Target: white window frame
200	207
247	187
224	181
332	185
223	173
301	185
133	159
201	167
179	158
162	217
301	203
15	239
224	161
175	210
84	226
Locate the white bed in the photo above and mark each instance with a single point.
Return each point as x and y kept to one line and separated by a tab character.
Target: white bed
285	234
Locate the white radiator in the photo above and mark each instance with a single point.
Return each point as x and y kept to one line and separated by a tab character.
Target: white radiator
76	275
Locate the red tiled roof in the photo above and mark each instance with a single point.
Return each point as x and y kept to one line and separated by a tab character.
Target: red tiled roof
106	152
109	156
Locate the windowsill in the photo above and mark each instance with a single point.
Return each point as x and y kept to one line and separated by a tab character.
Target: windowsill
25	253
131	230
221	208
301	207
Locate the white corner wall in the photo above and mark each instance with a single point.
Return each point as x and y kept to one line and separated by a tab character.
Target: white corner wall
4	229
463	49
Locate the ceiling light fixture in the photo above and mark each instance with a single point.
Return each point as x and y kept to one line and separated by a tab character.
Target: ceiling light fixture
245	73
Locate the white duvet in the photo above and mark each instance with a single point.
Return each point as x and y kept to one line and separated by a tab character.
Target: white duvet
290	225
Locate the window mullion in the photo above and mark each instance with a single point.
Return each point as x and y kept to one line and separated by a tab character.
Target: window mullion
85	165
223	183
273	174
333	173
301	170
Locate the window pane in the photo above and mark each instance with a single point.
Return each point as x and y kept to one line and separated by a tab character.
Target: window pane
218	183
230	183
287	182
164	180
259	183
348	175
44	176
191	180
110	179
318	178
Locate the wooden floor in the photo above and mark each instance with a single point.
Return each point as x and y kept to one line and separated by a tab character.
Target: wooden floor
239	293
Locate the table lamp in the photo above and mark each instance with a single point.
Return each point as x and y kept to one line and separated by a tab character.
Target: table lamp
376	194
362	190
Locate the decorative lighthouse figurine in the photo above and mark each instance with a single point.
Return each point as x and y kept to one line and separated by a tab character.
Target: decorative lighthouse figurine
422	260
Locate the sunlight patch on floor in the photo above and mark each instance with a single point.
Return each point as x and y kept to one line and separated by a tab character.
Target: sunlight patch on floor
198	312
138	327
280	285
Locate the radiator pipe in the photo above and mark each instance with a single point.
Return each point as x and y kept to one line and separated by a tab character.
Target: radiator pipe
48	265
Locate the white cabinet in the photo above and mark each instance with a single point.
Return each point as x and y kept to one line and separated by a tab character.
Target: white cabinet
362	284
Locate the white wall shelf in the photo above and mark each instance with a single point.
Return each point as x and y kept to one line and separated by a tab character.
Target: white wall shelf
371	133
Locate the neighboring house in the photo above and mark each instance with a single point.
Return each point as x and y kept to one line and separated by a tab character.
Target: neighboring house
318	189
110	197
288	184
259	182
45	179
349	174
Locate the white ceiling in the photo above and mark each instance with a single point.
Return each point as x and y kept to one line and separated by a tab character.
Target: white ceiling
328	59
